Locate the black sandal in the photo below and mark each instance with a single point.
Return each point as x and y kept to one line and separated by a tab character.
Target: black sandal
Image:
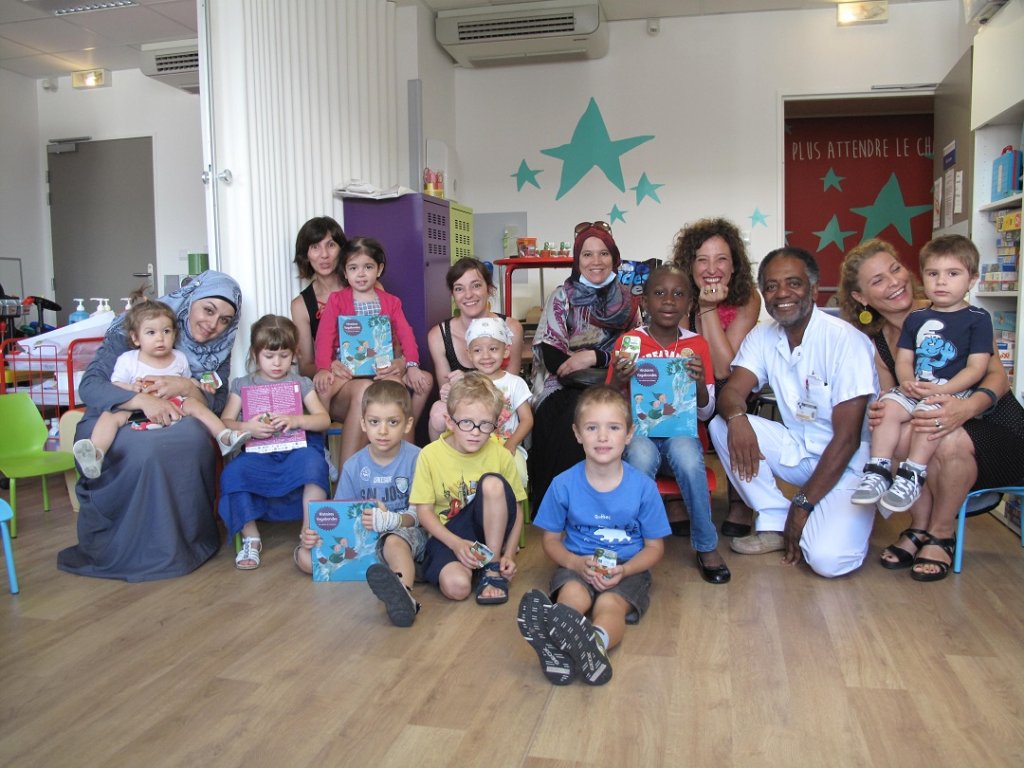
905	559
947	546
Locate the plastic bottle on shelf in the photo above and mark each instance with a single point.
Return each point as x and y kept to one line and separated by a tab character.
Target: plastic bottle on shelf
80	312
127	302
99	304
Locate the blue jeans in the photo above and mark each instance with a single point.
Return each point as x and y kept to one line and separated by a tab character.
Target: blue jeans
683	457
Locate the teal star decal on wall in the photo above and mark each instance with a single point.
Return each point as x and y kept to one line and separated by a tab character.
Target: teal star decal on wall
833	234
525	175
758	218
645	188
591	147
832	179
889	208
616	215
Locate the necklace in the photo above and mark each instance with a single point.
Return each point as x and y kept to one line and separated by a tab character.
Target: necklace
679	335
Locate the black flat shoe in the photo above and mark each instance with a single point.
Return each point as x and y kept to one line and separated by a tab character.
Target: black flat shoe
680	528
731	529
718	575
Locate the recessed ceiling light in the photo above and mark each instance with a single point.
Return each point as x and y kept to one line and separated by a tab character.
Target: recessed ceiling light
64	7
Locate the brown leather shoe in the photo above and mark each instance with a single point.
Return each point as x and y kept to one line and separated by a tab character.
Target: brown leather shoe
758	543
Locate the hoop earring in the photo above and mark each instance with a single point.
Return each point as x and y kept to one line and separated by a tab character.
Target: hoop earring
865	316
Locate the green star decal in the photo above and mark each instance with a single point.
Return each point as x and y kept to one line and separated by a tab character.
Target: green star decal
525	175
591	147
832	179
645	188
833	234
616	215
758	218
889	208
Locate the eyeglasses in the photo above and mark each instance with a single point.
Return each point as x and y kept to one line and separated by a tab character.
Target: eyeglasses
583	226
468	425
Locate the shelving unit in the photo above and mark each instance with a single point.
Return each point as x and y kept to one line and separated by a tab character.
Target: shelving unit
997	117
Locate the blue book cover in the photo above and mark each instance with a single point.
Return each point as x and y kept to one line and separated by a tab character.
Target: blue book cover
346	548
364	343
663	398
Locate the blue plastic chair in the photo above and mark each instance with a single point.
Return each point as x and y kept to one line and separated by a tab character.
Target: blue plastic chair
7	514
958	553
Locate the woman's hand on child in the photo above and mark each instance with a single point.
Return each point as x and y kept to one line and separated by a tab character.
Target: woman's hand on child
322	380
420	381
168	386
158	410
875	410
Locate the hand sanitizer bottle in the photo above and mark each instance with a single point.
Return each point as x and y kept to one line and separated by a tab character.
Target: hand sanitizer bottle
80	312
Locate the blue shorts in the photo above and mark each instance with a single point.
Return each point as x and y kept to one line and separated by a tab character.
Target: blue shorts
468	524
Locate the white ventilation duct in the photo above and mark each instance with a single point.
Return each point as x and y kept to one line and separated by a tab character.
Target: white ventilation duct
175	64
552	30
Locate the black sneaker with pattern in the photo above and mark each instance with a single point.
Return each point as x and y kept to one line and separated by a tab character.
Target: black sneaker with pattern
576	636
532	619
389	589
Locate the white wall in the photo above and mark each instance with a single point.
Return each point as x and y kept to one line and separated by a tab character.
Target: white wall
136	105
709	89
22	191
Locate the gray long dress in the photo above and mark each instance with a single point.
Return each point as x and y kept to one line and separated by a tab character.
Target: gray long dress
150	514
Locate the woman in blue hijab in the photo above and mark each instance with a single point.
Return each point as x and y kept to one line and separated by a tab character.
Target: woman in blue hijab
150	514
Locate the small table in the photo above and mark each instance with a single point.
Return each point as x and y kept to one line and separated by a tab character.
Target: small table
529	262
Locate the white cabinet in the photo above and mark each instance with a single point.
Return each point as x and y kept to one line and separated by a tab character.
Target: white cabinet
997	116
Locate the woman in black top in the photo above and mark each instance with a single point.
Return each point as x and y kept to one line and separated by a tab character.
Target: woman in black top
317	256
981	435
471	287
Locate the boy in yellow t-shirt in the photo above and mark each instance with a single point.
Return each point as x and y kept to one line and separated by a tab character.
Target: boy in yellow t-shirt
467	492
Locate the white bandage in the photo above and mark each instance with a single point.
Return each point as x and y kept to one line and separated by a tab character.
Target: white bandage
384	520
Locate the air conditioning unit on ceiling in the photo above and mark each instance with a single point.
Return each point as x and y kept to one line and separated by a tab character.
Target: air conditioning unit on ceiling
176	64
552	30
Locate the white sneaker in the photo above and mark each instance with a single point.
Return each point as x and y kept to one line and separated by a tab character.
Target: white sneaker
872	486
89	457
905	490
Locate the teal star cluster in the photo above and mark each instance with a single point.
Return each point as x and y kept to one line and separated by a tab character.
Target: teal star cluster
592	147
833	234
888	209
645	188
525	175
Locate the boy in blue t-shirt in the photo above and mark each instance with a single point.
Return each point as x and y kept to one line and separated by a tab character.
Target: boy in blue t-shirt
383	471
615	512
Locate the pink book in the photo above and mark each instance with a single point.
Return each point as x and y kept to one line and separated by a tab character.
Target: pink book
261	400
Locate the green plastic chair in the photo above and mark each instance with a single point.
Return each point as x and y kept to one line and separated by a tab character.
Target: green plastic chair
22	448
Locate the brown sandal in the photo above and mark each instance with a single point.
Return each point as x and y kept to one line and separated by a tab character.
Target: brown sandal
905	558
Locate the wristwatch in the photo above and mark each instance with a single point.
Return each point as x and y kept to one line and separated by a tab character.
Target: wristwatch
800	500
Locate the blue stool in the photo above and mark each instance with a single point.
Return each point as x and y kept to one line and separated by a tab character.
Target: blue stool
958	553
7	514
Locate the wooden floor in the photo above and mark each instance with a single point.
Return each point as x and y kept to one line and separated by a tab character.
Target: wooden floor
778	668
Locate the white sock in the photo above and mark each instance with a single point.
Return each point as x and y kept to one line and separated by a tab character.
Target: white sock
885	463
918	469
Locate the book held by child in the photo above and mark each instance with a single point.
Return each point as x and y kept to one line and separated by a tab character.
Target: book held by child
261	400
364	343
663	398
346	548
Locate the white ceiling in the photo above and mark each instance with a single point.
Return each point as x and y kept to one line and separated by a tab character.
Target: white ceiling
37	44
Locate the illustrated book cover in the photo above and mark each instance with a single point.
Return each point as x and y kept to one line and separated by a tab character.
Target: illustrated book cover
346	548
364	343
663	398
261	400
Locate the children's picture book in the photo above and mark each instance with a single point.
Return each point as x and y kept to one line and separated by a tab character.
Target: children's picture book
364	343
261	400
663	398
346	548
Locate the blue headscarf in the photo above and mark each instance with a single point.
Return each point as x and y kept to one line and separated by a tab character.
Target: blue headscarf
208	356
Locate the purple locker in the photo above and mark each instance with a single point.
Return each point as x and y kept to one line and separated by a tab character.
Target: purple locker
414	232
